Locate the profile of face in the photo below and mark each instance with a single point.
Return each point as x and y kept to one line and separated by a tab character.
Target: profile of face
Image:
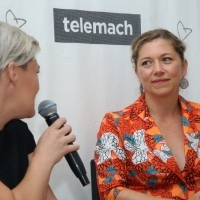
160	68
28	86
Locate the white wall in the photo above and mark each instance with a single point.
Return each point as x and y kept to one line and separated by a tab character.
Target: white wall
87	80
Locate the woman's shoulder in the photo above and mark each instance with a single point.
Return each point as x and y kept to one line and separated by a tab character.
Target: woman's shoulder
195	104
125	112
17	127
187	104
16	123
138	105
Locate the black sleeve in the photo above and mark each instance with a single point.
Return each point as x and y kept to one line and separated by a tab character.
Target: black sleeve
24	136
17	142
30	140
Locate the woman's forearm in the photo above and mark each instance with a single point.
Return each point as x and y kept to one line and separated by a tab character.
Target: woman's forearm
50	195
128	194
35	183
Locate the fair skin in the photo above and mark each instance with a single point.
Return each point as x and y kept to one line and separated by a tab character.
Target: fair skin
50	195
159	69
18	89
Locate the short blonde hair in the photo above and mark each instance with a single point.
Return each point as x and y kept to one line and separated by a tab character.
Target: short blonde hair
16	46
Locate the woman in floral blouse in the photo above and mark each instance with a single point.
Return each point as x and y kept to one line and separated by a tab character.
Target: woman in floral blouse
150	149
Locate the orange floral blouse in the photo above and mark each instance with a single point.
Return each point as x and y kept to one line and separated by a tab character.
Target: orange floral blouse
131	153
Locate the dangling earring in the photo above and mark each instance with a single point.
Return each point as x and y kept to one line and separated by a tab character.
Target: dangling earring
184	83
141	88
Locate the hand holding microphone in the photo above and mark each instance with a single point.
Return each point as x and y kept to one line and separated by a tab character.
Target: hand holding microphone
48	110
52	145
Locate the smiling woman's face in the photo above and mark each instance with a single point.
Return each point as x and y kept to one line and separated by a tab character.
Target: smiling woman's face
159	68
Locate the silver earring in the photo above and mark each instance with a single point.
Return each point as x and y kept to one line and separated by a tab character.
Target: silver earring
141	88
184	83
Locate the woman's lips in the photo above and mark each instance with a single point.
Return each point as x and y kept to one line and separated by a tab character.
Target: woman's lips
160	80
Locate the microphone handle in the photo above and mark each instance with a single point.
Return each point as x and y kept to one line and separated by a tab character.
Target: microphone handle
72	158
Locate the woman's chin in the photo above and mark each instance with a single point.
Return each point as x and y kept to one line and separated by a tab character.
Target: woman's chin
30	114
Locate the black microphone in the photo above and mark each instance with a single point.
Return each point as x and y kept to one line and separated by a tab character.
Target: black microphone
48	110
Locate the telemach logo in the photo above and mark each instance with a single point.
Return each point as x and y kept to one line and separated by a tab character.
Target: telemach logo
77	26
97	27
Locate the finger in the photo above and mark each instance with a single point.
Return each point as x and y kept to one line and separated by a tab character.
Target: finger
70	148
70	138
59	123
66	130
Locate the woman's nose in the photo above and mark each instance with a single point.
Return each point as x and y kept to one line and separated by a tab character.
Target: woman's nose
158	67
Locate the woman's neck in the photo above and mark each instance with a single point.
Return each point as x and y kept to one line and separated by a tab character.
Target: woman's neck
4	115
163	106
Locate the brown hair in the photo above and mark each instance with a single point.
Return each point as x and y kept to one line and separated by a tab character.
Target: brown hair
151	35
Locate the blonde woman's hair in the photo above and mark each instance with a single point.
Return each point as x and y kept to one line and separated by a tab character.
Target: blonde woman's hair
16	46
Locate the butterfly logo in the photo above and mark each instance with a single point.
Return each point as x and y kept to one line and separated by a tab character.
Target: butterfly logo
13	20
182	31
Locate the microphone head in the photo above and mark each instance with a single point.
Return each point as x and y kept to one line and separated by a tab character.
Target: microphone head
46	108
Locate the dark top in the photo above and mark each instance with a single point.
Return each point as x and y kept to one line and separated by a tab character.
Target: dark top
16	142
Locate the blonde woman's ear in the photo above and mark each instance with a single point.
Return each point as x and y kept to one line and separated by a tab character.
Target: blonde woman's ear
12	72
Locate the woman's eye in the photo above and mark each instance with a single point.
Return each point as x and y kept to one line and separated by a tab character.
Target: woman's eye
167	60
146	63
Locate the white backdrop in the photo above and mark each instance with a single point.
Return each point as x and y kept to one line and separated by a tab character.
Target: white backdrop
88	80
